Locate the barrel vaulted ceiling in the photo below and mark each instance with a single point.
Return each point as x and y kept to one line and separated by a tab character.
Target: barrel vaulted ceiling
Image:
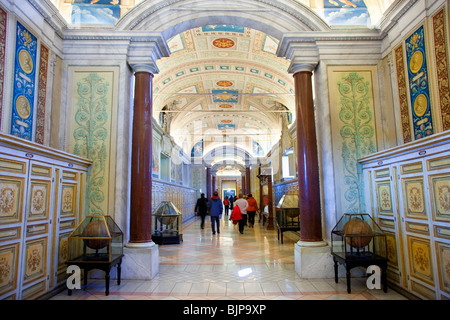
224	82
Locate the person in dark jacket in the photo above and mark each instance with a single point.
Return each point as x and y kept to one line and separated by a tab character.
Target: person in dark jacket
201	209
215	209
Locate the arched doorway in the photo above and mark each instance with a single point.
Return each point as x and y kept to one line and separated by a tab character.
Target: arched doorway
180	16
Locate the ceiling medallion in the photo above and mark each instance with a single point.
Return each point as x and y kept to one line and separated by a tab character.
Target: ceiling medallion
225	106
223	43
224	83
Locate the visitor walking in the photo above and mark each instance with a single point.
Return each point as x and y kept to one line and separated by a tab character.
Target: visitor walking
251	210
226	203
201	209
215	209
243	205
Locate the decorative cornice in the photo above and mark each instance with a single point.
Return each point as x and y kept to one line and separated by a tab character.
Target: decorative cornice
51	15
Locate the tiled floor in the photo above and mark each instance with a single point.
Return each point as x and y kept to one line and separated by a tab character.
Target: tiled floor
229	265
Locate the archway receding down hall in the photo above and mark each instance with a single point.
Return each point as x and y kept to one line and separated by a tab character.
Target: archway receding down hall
150	60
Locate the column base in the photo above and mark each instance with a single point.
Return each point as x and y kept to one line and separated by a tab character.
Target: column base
140	261
314	260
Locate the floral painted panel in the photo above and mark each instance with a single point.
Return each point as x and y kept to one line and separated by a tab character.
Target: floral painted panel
39	200
8	267
420	258
353	125
443	256
11	193
440	197
441	50
402	94
35	260
414	198
91	133
384	198
3	20
42	94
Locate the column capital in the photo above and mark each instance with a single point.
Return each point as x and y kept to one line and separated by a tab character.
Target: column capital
142	55
302	67
144	67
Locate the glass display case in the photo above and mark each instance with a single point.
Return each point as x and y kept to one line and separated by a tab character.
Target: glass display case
97	238
97	243
357	241
287	213
167	224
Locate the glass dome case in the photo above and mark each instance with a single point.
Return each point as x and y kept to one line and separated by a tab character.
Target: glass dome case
357	241
167	224
357	235
97	238
288	213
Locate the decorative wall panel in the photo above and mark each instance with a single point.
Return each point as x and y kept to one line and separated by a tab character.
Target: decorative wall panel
441	51
440	197
402	94
443	257
9	259
418	226
42	95
416	59
93	132
414	198
3	23
35	265
68	200
11	199
24	83
420	261
41	201
384	197
351	93
183	198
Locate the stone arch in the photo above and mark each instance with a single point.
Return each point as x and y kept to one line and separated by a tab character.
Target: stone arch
171	17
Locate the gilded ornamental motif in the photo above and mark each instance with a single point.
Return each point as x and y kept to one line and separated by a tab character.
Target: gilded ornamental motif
9	198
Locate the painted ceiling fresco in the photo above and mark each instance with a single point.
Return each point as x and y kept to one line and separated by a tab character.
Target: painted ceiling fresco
224	84
334	12
227	82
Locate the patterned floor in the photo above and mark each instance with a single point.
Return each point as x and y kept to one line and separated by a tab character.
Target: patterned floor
229	266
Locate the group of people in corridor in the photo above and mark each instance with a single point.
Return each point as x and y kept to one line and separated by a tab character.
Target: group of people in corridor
243	210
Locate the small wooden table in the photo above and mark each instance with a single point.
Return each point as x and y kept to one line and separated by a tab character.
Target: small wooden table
352	260
106	266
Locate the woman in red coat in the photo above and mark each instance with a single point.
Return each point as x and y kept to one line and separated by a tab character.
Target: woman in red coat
251	210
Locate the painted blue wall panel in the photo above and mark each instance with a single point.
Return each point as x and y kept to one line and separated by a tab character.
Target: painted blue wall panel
24	83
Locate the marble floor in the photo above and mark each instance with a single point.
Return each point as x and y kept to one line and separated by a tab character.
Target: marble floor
229	266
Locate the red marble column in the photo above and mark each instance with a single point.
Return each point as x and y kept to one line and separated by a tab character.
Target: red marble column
308	166
247	180
141	162
208	183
